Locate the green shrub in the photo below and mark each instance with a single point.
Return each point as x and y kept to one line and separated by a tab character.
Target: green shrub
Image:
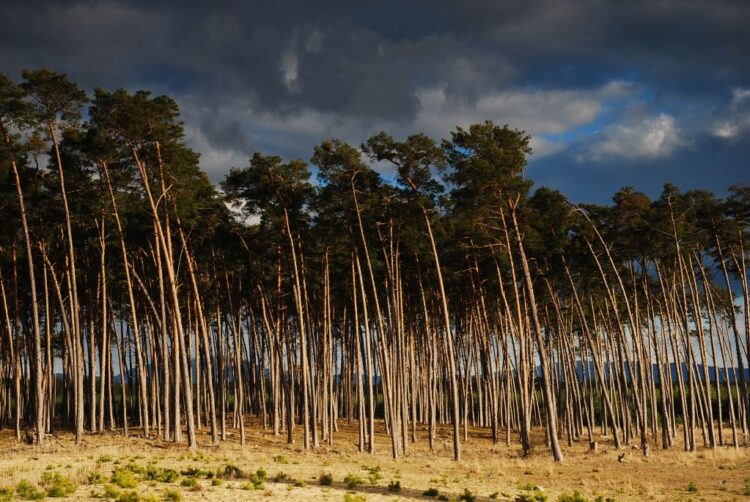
233	472
130	496
374	476
300	483
325	479
576	497
261	474
350	497
431	492
692	487
467	496
280	459
188	482
28	491
172	495
95	478
124	478
154	473
531	497
111	492
280	477
747	486
6	493
215	482
58	485
352	481
394	486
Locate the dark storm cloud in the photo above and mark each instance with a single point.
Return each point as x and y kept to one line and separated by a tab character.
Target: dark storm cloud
606	87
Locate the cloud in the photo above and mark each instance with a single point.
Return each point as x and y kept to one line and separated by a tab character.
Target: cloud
646	138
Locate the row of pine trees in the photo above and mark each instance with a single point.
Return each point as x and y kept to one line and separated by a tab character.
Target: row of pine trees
436	293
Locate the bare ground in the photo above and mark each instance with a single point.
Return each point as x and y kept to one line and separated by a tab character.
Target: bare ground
489	472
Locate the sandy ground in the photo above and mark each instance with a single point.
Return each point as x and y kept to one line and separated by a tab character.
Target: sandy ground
489	472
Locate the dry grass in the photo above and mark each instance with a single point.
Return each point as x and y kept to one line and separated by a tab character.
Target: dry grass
291	473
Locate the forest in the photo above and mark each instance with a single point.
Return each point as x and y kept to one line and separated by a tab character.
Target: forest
404	283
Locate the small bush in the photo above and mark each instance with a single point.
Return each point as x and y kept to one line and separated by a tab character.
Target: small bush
28	491
162	475
233	472
280	477
394	486
261	474
600	498
494	495
531	497
6	493
352	481
95	478
280	459
325	479
431	492
747	486
215	482
350	497
111	492
58	485
104	459
692	487
130	496
124	478
374	476
467	496
188	482
172	495
300	483
576	497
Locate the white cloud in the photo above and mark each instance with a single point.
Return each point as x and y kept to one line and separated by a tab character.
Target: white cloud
739	95
727	130
642	137
539	112
289	66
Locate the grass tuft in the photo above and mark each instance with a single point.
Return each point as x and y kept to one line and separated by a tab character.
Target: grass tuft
58	485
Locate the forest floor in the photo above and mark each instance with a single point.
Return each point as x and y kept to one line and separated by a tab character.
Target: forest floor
487	471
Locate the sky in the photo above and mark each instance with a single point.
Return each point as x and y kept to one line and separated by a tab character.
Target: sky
614	93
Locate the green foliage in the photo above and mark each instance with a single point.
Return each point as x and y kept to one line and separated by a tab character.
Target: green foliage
351	497
467	496
172	495
373	474
130	496
111	492
6	493
28	491
95	478
58	485
154	473
394	486
352	481
325	479
692	487
575	497
188	482
280	459
124	478
431	492
232	472
300	483
535	496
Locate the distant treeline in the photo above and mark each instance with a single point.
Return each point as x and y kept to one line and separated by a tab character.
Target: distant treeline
450	293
